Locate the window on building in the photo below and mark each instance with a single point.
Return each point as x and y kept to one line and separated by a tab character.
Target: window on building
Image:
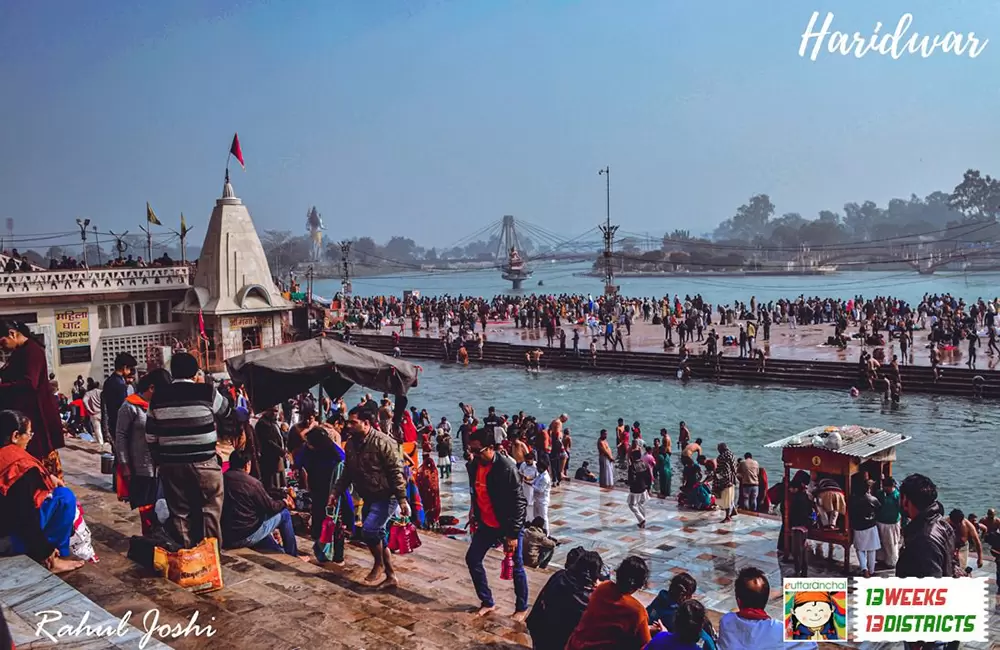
153	311
116	315
140	313
127	320
102	317
168	315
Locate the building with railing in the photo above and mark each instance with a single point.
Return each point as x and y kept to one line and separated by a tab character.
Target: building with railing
88	316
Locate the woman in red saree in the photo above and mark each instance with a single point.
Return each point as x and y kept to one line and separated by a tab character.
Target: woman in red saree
24	387
430	492
409	439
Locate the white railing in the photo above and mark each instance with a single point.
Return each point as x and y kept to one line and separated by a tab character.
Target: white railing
4	259
76	281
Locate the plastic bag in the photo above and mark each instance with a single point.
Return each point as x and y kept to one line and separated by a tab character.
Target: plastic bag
80	542
197	569
403	538
121	484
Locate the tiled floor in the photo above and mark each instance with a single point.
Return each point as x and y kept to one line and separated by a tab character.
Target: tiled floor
674	540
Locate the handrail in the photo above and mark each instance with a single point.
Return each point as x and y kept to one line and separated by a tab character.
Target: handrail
63	281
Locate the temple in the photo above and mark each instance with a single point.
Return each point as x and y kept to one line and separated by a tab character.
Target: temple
233	306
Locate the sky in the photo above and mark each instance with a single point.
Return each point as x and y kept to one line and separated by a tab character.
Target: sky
433	118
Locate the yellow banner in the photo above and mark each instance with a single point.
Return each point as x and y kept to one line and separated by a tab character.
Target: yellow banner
73	328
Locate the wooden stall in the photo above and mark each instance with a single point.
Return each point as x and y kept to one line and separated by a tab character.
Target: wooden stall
837	454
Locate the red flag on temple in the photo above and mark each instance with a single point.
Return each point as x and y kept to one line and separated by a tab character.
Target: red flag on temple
201	325
236	151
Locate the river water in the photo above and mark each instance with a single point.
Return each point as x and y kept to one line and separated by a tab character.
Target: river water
954	440
563	278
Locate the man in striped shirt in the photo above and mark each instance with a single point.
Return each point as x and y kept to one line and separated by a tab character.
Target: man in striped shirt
181	433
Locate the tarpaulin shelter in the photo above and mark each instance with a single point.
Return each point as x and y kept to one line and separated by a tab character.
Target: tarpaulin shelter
273	375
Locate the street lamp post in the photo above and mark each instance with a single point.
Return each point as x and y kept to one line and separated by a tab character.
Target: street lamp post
83	223
609	238
97	242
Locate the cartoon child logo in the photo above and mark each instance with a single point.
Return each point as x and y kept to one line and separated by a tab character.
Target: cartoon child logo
816	616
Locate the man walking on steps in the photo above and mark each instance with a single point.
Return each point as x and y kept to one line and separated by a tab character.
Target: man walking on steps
498	513
374	467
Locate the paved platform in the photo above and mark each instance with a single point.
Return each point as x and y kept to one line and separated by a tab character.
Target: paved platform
677	540
804	342
275	601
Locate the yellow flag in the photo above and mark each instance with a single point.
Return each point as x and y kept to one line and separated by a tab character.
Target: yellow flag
184	227
151	216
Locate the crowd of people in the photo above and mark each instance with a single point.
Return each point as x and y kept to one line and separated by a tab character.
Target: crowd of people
688	322
195	454
18	262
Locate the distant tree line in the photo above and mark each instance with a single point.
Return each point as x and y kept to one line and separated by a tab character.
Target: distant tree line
976	200
965	216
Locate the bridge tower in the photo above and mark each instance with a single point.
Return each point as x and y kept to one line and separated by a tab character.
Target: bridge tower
512	264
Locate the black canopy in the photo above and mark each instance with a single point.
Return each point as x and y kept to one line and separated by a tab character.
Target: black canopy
275	374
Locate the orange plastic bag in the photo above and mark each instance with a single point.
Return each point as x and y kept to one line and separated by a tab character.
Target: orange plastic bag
197	569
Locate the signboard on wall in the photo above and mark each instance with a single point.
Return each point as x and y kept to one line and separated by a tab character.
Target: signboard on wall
73	336
239	322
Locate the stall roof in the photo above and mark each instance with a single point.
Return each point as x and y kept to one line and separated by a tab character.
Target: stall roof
857	441
273	375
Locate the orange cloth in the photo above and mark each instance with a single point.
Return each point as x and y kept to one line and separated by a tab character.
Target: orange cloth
409	450
15	463
487	516
138	401
612	620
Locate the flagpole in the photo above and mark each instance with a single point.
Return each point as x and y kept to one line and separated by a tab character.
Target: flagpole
149	244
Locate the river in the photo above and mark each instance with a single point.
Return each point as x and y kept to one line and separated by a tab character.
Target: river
563	278
954	440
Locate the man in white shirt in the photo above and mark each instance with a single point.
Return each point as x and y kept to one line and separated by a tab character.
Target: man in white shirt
751	628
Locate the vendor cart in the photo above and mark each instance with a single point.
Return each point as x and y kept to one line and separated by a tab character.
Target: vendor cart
838	454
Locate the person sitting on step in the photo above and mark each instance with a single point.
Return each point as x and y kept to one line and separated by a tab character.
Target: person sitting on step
37	511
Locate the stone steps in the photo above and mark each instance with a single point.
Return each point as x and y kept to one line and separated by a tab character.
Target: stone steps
277	601
815	374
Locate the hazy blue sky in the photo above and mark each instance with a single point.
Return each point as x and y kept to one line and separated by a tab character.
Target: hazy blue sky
432	118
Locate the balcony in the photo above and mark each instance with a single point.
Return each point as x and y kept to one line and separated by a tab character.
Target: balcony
93	281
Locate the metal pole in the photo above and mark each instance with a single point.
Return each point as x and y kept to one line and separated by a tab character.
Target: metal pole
97	242
609	234
345	252
83	223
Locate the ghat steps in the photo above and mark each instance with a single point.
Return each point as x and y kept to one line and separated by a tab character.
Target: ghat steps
791	372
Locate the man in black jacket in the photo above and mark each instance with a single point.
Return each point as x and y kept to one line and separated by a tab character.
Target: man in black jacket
113	394
498	513
250	515
562	601
928	541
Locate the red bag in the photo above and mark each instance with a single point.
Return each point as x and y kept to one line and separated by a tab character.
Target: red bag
147	518
403	537
121	484
329	529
